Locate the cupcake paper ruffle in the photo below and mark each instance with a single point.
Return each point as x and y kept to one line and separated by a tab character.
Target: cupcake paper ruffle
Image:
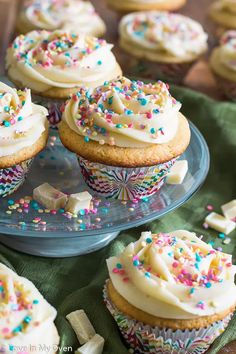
124	183
145	339
11	178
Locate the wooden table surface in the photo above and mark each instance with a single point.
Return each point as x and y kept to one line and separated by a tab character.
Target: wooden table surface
199	78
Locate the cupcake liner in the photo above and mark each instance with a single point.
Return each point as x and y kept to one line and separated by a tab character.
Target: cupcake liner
12	178
53	106
227	87
124	183
145	339
170	72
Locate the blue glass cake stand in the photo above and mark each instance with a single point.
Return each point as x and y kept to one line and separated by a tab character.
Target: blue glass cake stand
58	236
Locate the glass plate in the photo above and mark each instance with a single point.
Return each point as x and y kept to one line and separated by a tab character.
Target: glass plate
58	236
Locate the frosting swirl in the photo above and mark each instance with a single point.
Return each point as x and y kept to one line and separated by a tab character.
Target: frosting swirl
63	14
21	122
124	113
227	50
162	34
26	319
174	275
43	60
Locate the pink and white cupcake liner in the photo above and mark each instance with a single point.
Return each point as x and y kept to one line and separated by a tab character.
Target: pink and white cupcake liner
144	339
124	183
12	178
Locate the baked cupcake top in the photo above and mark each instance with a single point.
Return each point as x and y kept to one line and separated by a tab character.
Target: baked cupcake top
46	61
64	14
162	36
124	113
174	275
21	121
228	5
24	313
227	50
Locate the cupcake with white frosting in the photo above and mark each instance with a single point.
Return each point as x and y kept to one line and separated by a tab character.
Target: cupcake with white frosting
171	292
165	45
26	318
223	13
23	134
124	6
76	15
223	64
127	135
55	64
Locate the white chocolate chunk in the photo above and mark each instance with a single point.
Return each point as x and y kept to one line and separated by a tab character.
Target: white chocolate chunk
49	197
78	201
94	346
81	325
229	209
227	241
177	172
220	223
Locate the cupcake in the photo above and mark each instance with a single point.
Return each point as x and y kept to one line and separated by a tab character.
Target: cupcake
223	13
26	318
163	45
126	134
23	134
55	64
223	64
170	293
75	15
145	5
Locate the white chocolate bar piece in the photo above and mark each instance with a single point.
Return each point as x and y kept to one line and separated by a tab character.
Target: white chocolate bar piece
229	209
50	197
94	346
81	325
78	201
177	172
220	223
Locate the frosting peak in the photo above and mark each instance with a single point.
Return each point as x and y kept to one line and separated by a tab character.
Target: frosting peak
163	34
227	50
21	121
42	60
183	276
124	113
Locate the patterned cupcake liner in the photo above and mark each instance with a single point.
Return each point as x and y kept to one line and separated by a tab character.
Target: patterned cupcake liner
12	178
227	87
124	183
170	72
145	339
53	106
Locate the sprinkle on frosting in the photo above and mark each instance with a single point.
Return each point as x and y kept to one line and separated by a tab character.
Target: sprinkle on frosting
122	109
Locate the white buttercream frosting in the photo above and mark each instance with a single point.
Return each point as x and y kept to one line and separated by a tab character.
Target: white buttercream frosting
162	32
26	318
124	113
174	275
227	50
43	60
21	121
76	15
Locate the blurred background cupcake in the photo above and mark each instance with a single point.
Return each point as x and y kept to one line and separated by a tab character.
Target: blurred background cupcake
76	15
223	13
223	64
170	293
164	45
127	135
27	319
142	5
23	134
55	64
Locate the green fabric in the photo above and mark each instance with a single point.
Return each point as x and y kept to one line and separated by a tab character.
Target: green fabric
76	283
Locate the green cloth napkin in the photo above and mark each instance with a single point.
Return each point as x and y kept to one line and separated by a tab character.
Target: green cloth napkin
77	283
